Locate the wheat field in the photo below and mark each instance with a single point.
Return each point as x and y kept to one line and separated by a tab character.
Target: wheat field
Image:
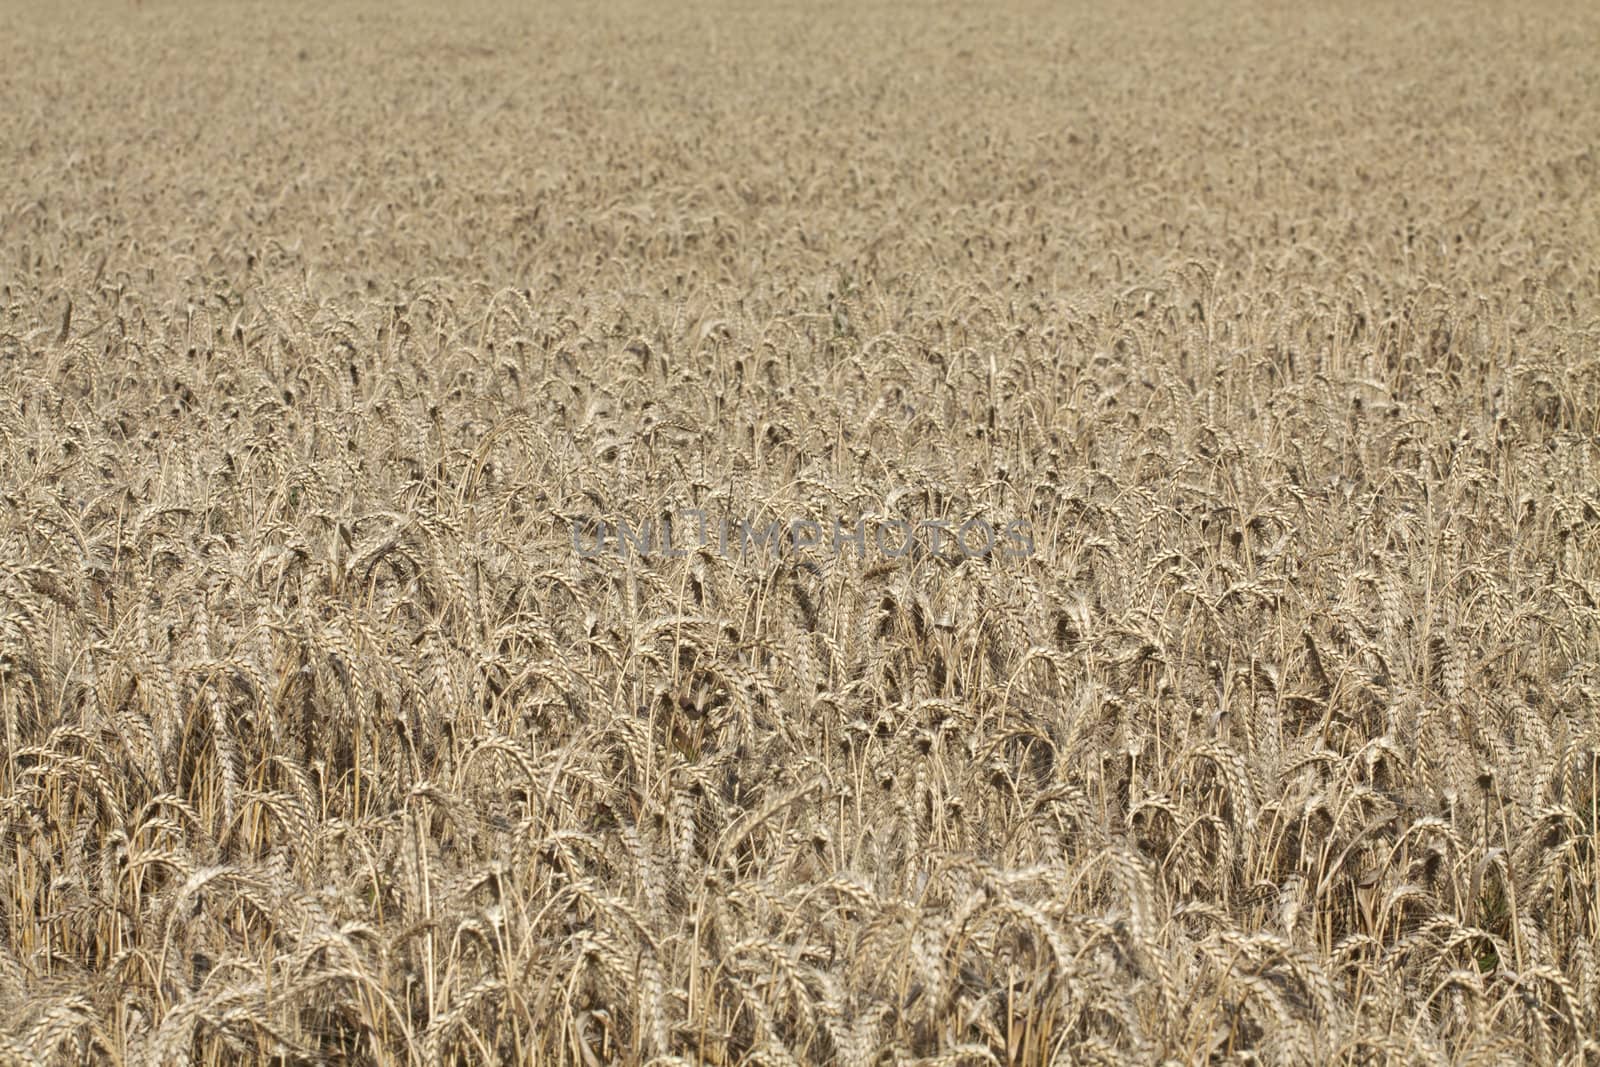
338	730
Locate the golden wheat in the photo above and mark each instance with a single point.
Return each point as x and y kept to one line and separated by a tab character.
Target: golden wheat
351	359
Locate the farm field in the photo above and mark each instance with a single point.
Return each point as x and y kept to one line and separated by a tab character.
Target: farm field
823	533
